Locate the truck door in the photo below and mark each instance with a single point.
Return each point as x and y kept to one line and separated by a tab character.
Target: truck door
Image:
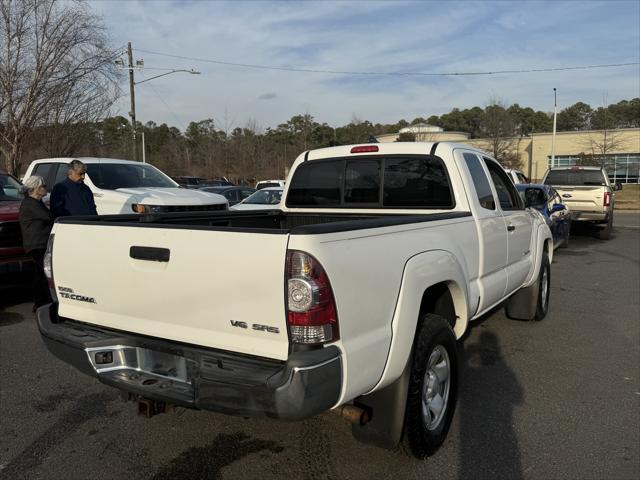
491	227
518	225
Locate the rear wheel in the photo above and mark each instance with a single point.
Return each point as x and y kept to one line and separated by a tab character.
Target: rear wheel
565	241
605	233
544	288
433	386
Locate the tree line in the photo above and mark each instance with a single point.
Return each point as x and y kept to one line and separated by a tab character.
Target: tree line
214	148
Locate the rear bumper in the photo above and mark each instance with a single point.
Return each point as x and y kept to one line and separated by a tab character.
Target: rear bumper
194	377
582	216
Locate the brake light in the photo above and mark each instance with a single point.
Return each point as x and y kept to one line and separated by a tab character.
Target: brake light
47	263
311	309
607	199
365	149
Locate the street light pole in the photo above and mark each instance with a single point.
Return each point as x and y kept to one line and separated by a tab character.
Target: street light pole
553	136
132	94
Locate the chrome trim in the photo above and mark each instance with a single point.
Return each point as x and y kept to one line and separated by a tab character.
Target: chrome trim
141	360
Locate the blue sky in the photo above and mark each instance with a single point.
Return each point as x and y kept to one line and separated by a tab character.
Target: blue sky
371	36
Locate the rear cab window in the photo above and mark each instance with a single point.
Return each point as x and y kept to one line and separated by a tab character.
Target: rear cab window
386	182
576	177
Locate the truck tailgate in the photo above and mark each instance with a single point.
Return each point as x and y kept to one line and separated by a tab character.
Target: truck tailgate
583	198
216	289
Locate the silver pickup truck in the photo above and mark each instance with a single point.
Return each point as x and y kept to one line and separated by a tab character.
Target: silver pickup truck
587	192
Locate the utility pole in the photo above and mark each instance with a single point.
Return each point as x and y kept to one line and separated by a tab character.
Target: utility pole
553	136
132	94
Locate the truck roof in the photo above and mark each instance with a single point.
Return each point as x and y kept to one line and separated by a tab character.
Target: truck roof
395	148
86	160
577	167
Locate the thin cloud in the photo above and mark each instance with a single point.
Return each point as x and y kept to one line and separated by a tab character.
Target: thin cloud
372	36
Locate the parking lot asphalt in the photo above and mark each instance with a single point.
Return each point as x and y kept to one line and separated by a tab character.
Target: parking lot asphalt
557	399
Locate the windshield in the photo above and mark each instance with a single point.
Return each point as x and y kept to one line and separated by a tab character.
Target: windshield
9	188
264	197
575	177
111	176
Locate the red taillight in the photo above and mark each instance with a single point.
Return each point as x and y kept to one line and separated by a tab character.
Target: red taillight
47	264
311	309
365	149
607	199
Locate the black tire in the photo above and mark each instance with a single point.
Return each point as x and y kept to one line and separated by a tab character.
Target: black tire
434	338
605	233
544	277
565	242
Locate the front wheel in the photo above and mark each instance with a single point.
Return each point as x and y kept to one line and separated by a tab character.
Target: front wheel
433	386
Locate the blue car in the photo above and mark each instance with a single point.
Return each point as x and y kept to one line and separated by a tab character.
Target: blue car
548	202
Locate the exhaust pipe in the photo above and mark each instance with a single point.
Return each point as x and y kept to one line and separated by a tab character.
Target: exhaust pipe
353	414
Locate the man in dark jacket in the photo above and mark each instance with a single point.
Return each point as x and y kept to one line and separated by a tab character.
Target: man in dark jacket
72	196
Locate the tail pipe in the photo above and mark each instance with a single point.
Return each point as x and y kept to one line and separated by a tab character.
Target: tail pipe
353	414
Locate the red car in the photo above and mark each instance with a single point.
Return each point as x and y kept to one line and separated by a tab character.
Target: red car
15	264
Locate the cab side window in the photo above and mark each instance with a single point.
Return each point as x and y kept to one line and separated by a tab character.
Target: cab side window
507	193
480	181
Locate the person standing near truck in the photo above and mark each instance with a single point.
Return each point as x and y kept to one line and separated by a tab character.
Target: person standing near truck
72	196
35	224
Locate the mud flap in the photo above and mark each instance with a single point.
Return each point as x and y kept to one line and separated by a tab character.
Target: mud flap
522	304
386	408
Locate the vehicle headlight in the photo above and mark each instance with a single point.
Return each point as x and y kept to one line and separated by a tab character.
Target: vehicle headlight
141	208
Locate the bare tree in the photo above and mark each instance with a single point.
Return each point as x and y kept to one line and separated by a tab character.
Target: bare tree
56	69
499	127
600	143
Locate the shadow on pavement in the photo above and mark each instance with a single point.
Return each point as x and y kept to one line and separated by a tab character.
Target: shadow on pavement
9	318
208	461
84	408
15	295
489	393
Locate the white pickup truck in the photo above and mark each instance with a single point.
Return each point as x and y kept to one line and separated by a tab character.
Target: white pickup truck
350	297
125	186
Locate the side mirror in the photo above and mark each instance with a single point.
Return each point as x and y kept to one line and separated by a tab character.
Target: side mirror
558	207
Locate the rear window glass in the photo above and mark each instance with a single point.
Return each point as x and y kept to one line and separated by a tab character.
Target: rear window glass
389	182
262	185
575	177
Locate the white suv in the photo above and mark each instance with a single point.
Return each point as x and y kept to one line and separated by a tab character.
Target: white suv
269	183
125	186
516	176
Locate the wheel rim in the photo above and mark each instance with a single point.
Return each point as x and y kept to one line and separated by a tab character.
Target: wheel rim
545	289
435	388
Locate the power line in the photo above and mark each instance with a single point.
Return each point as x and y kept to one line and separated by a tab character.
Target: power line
406	74
175	117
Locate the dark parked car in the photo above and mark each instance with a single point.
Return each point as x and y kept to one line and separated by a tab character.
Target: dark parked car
548	202
232	193
15	264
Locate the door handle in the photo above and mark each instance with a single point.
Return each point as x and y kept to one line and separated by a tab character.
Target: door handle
152	254
511	228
